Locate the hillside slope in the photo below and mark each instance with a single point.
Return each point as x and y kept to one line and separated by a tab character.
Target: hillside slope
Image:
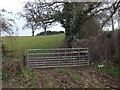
29	42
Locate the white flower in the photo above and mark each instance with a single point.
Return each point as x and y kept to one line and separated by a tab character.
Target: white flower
100	66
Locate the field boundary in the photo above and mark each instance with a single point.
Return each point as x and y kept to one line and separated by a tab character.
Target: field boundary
59	57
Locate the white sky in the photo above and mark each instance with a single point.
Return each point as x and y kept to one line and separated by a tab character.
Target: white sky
16	6
12	5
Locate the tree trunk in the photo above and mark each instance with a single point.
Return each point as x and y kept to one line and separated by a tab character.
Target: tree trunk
118	18
112	24
33	32
45	30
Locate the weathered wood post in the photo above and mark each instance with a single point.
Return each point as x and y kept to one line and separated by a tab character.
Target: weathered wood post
25	58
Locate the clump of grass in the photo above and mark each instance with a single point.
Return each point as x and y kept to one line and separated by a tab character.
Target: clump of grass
31	79
5	76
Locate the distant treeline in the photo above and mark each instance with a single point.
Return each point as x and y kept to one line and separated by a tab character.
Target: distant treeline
50	33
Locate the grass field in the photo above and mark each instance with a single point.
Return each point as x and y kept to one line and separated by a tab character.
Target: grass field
29	42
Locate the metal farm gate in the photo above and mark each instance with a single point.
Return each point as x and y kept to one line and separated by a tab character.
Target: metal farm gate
60	57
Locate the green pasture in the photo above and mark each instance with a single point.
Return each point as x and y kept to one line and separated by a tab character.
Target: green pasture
29	42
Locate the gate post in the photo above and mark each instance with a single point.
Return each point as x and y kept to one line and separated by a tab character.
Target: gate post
25	58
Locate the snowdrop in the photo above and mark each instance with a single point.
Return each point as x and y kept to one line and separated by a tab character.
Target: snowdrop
100	66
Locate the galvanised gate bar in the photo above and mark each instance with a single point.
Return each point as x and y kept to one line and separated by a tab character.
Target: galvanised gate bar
59	57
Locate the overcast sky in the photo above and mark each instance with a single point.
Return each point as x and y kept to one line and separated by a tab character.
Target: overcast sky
16	6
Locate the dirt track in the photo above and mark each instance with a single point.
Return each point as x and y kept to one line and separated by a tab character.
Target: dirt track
75	77
90	78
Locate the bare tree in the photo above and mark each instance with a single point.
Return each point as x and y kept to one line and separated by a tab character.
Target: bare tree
40	14
7	24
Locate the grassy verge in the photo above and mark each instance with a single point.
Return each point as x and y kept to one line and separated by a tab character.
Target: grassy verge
113	71
30	77
12	72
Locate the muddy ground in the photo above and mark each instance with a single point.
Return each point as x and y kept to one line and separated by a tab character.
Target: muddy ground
16	76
